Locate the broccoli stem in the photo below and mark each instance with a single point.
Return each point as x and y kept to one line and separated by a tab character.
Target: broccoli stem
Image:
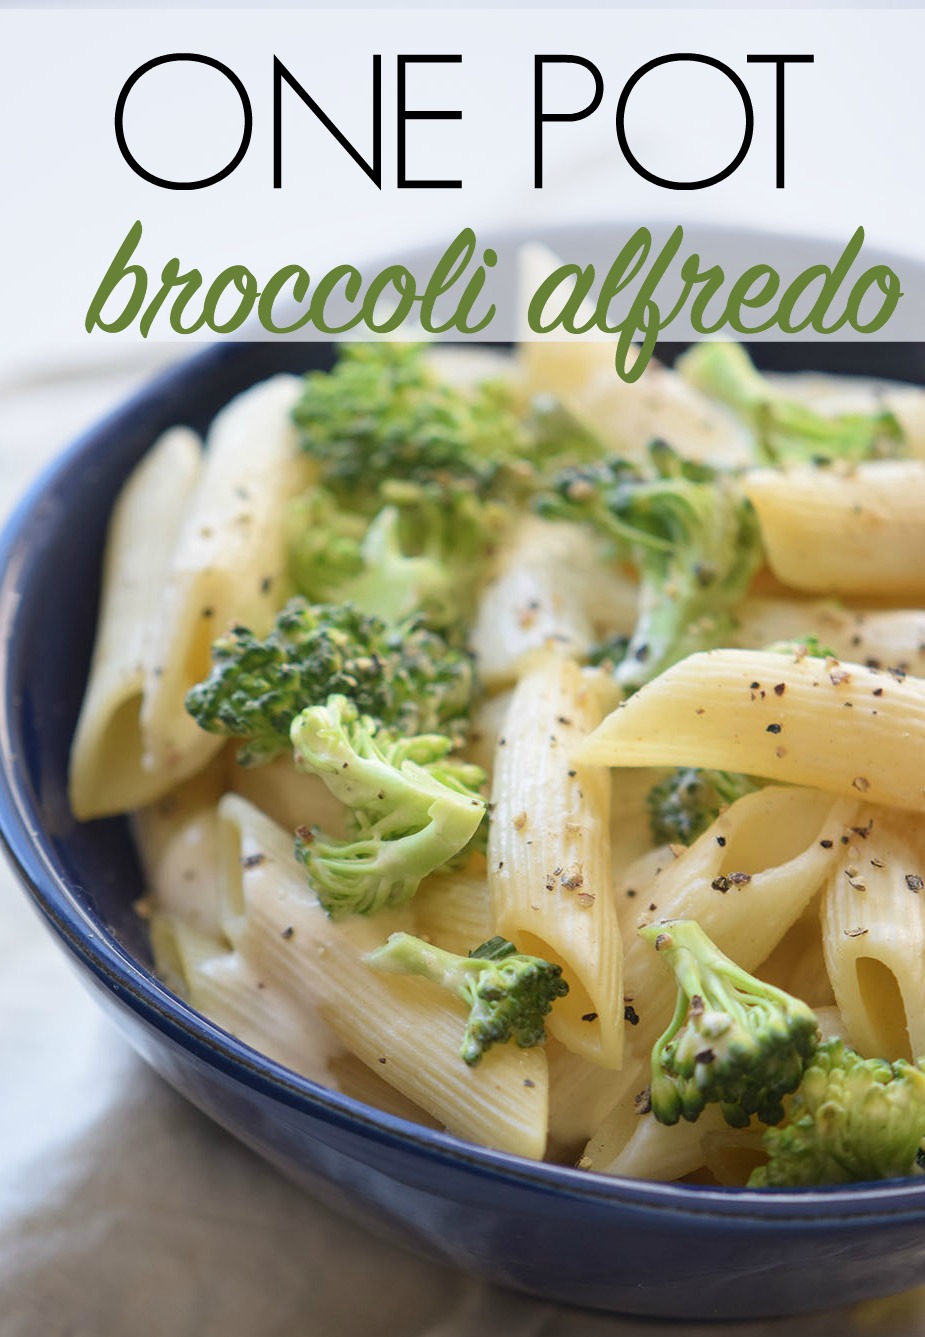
508	993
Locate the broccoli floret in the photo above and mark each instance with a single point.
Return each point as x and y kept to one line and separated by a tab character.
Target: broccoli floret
324	543
405	677
381	415
852	1119
377	576
423	552
413	806
693	537
508	993
785	430
733	1040
683	805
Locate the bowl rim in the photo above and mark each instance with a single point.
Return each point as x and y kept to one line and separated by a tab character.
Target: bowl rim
22	834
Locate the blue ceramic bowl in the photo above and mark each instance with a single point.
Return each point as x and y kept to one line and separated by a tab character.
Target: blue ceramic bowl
619	1245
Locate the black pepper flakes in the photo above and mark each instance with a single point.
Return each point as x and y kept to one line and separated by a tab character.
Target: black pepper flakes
287	932
631	1015
914	882
721	842
773	728
589	1016
780	688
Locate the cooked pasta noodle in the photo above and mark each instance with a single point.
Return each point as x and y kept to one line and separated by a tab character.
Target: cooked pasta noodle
873	921
778	716
229	565
857	533
549	869
107	773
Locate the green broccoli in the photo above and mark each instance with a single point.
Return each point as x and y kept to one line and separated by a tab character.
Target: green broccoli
852	1119
406	677
693	537
413	806
380	415
421	553
733	1040
324	543
686	802
508	994
785	430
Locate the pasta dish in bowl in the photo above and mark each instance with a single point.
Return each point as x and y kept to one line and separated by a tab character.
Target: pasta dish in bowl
528	758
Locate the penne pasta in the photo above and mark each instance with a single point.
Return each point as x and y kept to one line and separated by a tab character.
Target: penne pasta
229	566
833	532
653	1151
487	724
879	638
550	591
873	920
797	964
549	866
453	909
580	1095
239	995
775	716
630	831
347	1073
285	794
177	842
731	1154
107	774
